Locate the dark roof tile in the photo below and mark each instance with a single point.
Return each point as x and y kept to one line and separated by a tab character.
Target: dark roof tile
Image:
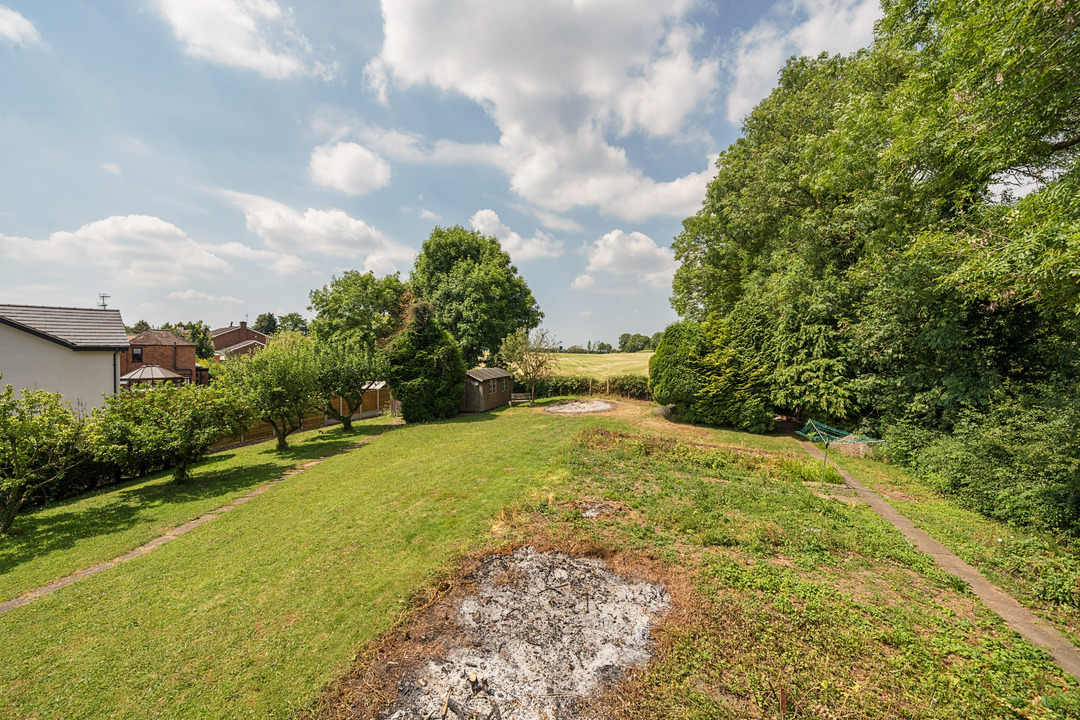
76	328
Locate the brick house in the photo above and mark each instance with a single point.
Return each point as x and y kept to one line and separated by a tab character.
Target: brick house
237	340
166	350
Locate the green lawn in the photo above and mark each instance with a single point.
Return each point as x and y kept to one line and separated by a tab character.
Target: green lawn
249	616
253	614
57	540
603	366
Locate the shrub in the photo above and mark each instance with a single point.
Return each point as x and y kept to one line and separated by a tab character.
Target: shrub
674	378
427	372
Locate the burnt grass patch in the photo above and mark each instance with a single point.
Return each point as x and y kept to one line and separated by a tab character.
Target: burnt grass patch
782	602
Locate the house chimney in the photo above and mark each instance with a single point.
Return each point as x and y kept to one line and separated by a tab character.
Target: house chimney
243	324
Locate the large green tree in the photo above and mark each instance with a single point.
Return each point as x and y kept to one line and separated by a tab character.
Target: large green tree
359	308
477	293
427	372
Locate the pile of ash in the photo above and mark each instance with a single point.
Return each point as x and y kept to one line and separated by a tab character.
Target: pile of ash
544	631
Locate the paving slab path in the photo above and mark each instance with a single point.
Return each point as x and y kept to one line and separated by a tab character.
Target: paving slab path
1019	618
169	536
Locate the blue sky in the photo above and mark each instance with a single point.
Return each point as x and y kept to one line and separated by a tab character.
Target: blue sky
216	159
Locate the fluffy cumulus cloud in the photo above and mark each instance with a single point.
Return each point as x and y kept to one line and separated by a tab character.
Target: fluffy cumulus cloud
194	296
137	250
325	232
572	78
255	35
540	245
16	29
348	167
630	259
794	27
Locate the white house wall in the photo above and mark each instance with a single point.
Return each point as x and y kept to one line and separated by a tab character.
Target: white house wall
27	361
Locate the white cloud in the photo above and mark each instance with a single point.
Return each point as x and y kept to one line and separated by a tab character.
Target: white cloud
794	27
327	232
429	215
191	295
112	168
519	248
138	250
554	221
632	256
570	77
251	34
348	167
281	263
583	282
16	29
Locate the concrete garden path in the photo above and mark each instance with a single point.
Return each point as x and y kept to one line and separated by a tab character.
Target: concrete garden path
1018	617
176	532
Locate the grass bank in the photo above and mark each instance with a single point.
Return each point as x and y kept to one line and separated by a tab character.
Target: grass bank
249	616
59	539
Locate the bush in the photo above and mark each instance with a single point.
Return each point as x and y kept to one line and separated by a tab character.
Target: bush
629	386
1018	463
427	372
674	378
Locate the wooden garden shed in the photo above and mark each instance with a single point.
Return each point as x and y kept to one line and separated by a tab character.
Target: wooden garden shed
486	388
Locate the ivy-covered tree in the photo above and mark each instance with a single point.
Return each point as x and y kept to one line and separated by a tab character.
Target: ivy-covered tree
38	438
278	382
476	291
427	372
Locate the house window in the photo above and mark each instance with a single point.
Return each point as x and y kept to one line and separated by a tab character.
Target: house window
506	384
493	386
136	355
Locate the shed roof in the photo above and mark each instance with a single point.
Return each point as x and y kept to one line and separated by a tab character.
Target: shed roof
158	337
75	328
487	373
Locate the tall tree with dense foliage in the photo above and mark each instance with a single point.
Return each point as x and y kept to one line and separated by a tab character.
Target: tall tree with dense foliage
278	382
293	322
427	371
358	307
674	374
343	373
476	291
860	256
266	323
530	357
38	439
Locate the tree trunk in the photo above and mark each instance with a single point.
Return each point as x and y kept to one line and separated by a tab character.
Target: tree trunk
532	393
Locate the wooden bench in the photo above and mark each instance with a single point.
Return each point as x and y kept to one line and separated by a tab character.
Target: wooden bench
517	398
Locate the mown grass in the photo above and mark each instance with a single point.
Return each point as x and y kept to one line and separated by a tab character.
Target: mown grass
603	366
1036	569
798	600
249	616
62	538
808	607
